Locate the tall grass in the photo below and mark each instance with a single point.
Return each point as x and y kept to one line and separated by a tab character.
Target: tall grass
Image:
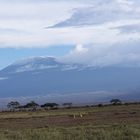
114	132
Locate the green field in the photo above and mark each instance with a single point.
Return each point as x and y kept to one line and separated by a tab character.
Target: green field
97	123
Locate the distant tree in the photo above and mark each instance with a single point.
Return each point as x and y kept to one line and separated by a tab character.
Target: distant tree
13	105
100	105
32	105
127	104
116	102
50	105
67	105
87	106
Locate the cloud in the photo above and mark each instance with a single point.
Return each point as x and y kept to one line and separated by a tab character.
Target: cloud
80	49
120	54
100	30
134	28
101	12
23	23
106	33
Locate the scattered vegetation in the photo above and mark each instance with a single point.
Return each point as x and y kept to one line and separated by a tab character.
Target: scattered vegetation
33	106
100	122
50	106
116	102
112	132
13	105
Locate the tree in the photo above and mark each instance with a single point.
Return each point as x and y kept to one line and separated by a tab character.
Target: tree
100	105
50	105
116	102
13	105
32	105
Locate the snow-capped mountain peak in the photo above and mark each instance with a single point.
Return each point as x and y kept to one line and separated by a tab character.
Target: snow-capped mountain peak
39	63
31	64
35	60
49	76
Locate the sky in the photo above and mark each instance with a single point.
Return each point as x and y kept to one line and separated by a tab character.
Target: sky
93	32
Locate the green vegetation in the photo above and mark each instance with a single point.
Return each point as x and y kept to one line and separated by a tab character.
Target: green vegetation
114	132
101	122
50	106
32	104
13	105
116	102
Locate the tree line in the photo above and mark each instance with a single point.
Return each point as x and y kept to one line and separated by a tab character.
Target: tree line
15	105
33	106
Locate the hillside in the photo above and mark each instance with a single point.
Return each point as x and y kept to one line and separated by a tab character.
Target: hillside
46	76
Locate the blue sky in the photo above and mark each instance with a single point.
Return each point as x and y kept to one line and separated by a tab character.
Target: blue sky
10	55
93	32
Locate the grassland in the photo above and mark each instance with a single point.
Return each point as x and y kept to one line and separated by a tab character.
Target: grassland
97	123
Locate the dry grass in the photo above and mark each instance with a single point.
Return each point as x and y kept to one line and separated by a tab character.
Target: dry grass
116	132
104	123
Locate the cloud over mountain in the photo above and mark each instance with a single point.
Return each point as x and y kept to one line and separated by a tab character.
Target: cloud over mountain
121	54
104	32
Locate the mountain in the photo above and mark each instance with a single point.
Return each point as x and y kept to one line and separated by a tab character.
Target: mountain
49	79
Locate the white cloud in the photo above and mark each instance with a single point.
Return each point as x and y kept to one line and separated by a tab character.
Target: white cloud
80	49
23	23
101	12
103	24
99	34
120	54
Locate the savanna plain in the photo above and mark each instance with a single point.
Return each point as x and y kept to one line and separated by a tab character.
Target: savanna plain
110	122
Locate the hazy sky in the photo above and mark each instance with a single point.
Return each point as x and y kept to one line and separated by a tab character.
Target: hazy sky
94	32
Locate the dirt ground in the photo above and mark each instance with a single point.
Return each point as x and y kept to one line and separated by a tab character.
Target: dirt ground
94	116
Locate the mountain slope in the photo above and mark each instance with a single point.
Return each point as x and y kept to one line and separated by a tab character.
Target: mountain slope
46	76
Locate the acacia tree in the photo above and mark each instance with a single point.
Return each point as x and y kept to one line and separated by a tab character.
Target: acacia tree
116	102
13	105
50	105
32	105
